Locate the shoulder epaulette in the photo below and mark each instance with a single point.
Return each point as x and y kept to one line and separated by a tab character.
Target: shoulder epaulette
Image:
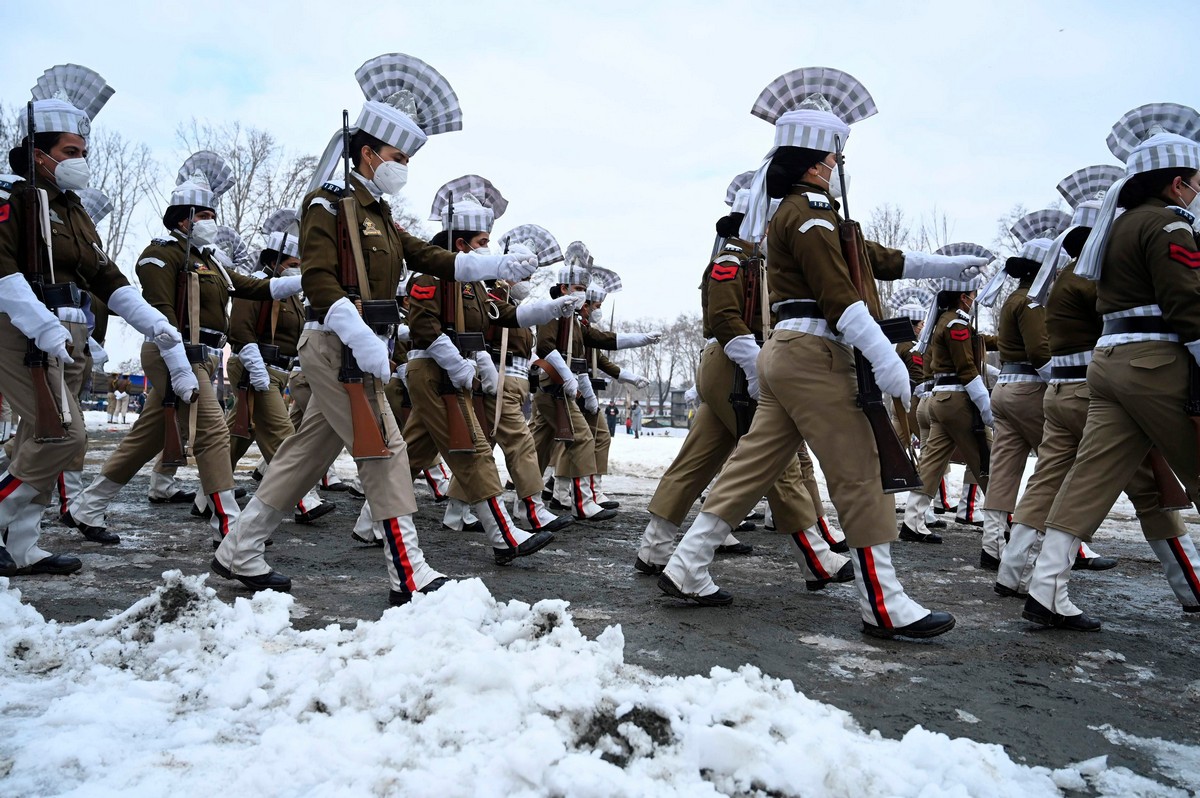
957	321
163	242
733	248
1183	213
334	187
818	201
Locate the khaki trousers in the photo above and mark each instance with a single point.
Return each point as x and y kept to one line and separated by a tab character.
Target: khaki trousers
301	393
514	438
1017	408
39	464
924	422
268	418
208	443
475	476
578	459
304	457
950	419
602	438
1066	410
808	395
1137	401
708	446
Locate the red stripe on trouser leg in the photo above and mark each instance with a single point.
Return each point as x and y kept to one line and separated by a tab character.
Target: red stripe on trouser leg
62	493
502	522
219	512
823	525
943	495
810	556
971	499
578	490
531	512
300	506
395	539
1185	565
325	481
866	561
592	485
433	483
8	485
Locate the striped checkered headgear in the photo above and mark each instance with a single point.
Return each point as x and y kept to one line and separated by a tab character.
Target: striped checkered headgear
66	99
477	204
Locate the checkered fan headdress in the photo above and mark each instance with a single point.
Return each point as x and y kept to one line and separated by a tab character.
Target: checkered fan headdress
577	263
1036	231
1150	137
1084	190
282	231
407	101
67	98
201	181
603	282
539	241
737	194
96	203
947	284
477	204
230	243
811	107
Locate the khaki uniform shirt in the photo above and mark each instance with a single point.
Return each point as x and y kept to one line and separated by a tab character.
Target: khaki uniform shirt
952	346
243	324
78	257
1072	321
425	309
1021	329
723	294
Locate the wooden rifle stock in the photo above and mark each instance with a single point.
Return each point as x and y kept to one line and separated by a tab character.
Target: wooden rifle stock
563	431
896	470
172	453
245	408
1171	495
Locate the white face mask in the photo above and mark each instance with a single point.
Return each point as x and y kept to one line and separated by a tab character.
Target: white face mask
72	174
484	250
1193	207
390	177
204	232
835	182
291	271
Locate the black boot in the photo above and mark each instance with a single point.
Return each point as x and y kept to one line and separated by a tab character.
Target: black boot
96	534
846	574
534	543
932	625
1035	612
987	562
271	580
324	508
721	598
8	566
913	536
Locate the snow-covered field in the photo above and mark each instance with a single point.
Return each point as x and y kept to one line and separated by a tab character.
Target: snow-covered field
454	695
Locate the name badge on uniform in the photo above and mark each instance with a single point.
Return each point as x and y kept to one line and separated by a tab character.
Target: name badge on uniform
369	228
468	290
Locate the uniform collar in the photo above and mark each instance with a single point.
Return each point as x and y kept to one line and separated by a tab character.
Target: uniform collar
962	314
811	188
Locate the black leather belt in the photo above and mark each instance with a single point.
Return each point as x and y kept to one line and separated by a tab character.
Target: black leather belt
799	310
1137	324
1068	372
508	358
59	295
1018	368
312	314
282	362
947	381
211	339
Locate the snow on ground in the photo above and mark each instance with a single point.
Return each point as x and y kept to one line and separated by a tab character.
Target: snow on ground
455	694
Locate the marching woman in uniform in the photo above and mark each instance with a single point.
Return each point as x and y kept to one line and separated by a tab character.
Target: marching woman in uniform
806	370
1142	378
66	98
948	343
400	90
168	270
1024	371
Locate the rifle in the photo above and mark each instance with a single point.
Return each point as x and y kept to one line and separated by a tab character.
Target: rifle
1171	495
368	443
740	399
267	313
51	420
563	429
174	450
461	439
896	470
978	428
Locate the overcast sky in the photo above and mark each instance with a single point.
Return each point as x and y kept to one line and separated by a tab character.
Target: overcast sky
621	123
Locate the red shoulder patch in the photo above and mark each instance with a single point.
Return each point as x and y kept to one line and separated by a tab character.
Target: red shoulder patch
1178	253
960	334
422	291
6	210
722	272
918	360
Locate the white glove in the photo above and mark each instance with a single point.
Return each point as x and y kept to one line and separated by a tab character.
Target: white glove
402	373
979	395
744	350
922	265
630	378
127	303
1045	371
634	340
570	384
403	333
32	318
691	395
469	268
1192	346
531	314
370	353
252	359
445	354
489	377
862	331
183	378
590	403
284	287
99	356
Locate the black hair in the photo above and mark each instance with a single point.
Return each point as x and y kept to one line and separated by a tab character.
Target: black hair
949	300
1146	185
358	141
1073	243
555	291
728	226
179	213
787	168
18	156
267	258
1021	268
439	240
